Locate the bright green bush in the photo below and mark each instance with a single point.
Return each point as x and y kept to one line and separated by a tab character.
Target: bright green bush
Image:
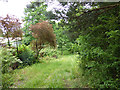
63	42
26	55
50	52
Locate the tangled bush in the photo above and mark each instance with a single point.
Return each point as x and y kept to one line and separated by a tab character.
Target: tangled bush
100	53
26	55
49	52
7	59
7	62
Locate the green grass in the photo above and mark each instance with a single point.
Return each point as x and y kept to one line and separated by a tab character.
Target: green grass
53	73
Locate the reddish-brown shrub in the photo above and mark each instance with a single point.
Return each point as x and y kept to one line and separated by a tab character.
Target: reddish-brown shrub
43	33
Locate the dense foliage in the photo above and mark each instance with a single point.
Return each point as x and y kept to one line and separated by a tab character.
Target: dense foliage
63	42
89	29
7	59
97	34
26	55
8	63
99	53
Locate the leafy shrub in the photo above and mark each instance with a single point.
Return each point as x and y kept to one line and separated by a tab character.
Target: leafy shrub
27	39
26	55
101	68
7	59
99	53
6	62
50	52
63	42
7	80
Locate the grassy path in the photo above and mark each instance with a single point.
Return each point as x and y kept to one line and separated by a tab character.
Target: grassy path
53	73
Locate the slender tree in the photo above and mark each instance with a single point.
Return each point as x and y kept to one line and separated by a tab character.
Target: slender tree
11	28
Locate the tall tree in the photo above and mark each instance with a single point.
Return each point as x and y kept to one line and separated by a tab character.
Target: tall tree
33	13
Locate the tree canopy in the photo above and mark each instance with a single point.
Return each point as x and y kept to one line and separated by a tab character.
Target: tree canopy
11	27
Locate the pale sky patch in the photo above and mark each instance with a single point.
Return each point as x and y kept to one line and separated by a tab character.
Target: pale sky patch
13	7
52	5
16	7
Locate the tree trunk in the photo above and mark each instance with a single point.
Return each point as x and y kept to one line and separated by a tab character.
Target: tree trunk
17	47
8	41
37	51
